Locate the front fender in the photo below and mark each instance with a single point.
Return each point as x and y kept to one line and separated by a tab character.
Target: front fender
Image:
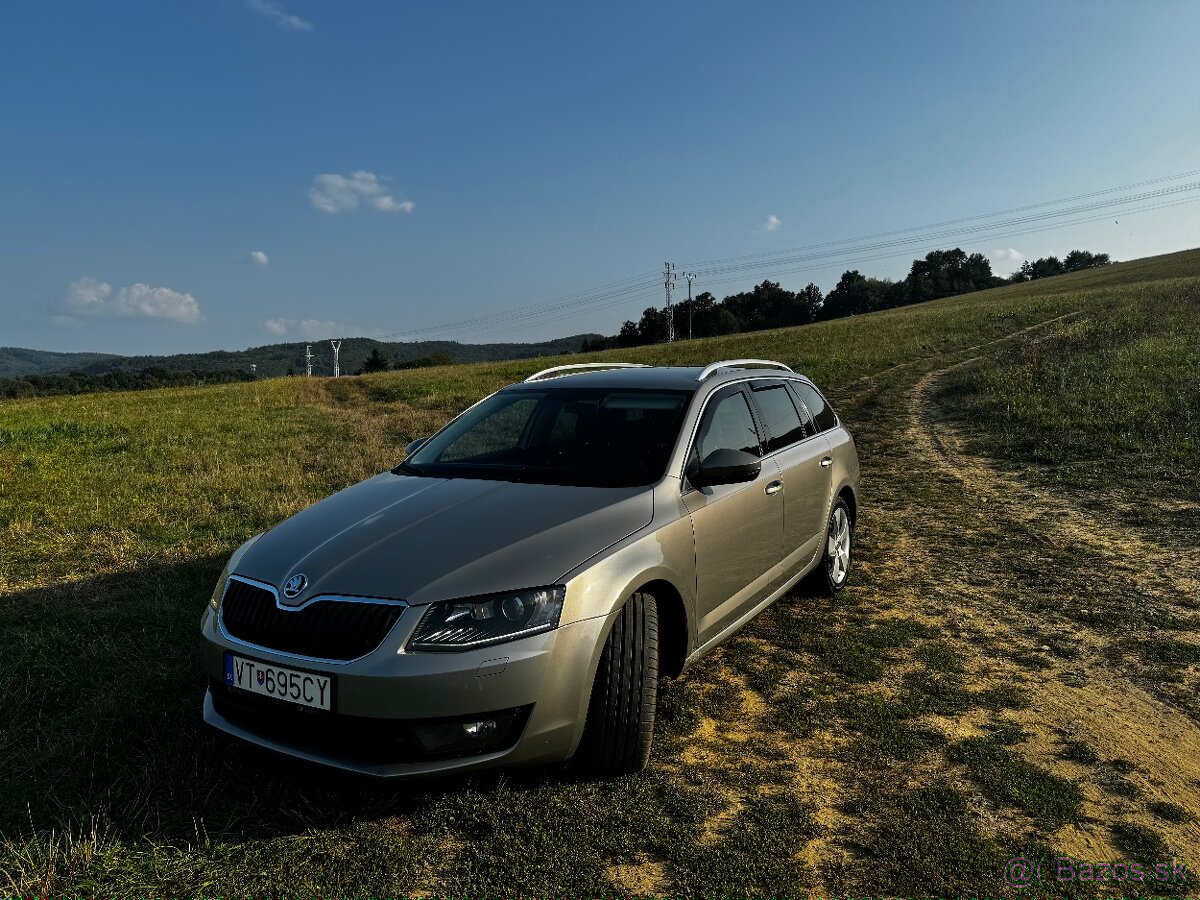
600	588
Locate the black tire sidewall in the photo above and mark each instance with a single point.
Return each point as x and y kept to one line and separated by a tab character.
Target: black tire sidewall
620	721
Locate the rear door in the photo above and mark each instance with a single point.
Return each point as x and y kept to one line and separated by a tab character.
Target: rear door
738	528
800	452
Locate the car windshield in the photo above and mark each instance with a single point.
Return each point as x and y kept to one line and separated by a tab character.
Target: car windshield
593	437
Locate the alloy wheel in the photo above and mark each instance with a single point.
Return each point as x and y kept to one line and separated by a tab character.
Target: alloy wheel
837	549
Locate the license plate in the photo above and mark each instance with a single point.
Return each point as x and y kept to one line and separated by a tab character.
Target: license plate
292	686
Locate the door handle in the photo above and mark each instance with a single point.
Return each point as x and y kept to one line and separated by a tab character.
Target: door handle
827	462
774	487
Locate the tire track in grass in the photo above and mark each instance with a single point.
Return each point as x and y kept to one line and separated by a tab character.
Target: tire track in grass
1092	695
1157	568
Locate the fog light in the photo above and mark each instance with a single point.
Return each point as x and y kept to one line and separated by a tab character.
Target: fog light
480	730
470	736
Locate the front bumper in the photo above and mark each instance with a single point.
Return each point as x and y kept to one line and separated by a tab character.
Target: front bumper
545	680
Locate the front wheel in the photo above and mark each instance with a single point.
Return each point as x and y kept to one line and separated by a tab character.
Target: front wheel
620	722
839	546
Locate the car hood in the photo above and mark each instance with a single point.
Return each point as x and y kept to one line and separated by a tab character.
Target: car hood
425	539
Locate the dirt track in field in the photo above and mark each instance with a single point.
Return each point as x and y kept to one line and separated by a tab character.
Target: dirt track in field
1096	696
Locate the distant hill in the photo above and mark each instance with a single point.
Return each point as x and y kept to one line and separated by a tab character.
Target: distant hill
15	361
275	359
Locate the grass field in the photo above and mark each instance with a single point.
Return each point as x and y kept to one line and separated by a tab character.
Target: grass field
1013	672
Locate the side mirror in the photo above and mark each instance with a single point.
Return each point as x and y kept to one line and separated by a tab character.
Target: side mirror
414	446
726	467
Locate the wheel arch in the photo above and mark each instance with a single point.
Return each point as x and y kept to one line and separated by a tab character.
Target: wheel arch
846	492
674	628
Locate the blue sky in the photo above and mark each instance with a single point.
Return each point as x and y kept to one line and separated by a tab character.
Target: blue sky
510	153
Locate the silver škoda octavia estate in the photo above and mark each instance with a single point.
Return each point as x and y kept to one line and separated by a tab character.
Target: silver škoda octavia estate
513	590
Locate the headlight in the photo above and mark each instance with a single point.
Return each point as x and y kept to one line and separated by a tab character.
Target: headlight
480	621
219	590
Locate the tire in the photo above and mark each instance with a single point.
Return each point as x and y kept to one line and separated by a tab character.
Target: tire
837	556
620	721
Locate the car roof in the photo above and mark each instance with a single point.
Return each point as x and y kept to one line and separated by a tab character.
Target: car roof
679	378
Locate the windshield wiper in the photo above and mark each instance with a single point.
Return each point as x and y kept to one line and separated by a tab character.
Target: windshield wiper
408	468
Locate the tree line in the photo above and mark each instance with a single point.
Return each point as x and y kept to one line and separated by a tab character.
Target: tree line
377	362
87	383
942	273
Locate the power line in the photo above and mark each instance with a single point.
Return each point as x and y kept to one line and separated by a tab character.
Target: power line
955	233
650	300
907	252
632	289
914	228
816	261
574	299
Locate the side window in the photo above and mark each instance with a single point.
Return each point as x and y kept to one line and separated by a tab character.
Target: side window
729	425
780	417
823	415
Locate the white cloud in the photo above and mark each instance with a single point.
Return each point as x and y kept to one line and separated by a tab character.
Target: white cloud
257	258
274	10
92	297
331	193
88	293
1008	255
773	223
309	329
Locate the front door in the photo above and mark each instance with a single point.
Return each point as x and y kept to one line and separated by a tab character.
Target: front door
737	528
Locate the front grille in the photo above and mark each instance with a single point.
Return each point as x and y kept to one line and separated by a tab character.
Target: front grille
325	629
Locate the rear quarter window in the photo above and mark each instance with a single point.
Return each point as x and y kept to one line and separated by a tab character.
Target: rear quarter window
824	418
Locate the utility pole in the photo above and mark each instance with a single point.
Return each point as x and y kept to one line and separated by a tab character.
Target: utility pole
336	345
669	284
690	276
308	358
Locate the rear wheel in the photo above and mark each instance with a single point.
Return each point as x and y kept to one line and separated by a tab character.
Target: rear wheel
839	546
620	722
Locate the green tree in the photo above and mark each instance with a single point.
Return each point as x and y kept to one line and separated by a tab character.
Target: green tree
1047	267
376	362
855	294
628	336
809	300
944	273
652	328
1077	260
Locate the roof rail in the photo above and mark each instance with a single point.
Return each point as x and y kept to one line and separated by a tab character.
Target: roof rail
742	364
575	369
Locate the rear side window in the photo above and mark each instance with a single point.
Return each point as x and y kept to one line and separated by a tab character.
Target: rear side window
729	426
780	417
823	415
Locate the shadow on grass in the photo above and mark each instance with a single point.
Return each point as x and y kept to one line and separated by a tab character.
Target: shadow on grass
114	785
101	721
